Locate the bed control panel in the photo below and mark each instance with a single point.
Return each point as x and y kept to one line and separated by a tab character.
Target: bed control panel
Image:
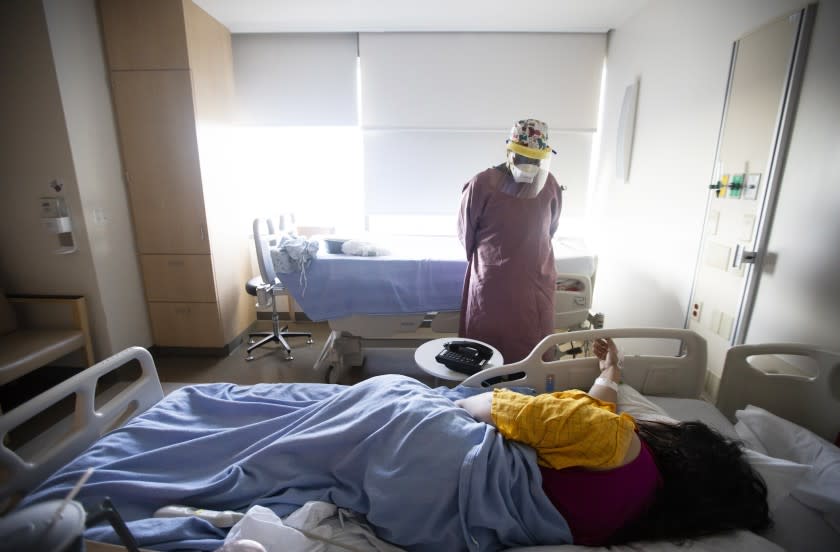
467	357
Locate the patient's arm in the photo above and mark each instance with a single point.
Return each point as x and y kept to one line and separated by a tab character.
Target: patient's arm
609	360
478	406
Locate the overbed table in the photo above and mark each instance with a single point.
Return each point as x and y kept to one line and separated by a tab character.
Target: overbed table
425	354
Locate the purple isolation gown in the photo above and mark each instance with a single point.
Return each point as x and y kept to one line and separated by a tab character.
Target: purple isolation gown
508	298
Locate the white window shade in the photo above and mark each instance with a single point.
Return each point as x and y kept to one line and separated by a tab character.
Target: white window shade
480	80
437	108
422	172
295	79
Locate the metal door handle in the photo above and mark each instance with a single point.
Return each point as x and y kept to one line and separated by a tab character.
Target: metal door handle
742	256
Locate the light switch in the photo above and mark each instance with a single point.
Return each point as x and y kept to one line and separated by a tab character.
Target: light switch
725	327
747	225
714	321
712	223
99	216
717	255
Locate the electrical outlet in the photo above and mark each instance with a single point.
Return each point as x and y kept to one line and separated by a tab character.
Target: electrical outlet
696	307
726	324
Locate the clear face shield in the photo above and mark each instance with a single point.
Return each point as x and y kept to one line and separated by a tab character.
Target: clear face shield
529	174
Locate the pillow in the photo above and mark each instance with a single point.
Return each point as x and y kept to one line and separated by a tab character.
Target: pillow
640	407
820	488
749	437
779	437
363	249
780	475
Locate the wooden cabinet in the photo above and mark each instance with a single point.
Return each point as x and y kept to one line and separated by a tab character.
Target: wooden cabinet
171	72
185	324
178	278
160	157
144	34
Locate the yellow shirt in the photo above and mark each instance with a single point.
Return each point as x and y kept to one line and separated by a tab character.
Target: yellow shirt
567	428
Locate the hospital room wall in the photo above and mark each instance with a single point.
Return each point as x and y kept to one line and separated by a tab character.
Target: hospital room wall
58	124
652	224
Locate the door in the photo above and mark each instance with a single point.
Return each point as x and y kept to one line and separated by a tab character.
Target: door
762	92
160	155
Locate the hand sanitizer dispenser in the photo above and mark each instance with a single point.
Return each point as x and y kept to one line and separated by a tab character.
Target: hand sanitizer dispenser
55	216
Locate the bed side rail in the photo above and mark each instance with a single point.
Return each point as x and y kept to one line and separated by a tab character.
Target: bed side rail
810	398
23	469
679	375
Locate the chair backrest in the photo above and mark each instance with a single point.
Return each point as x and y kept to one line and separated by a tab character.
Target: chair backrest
265	237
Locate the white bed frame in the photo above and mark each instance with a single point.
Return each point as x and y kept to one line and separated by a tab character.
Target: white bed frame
680	375
350	335
767	376
23	469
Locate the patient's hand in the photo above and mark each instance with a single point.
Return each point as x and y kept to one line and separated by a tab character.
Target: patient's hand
478	406
607	353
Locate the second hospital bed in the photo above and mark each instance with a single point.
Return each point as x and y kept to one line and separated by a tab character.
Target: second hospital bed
211	446
418	282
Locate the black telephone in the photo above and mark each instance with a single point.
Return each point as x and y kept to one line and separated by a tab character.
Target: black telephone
467	357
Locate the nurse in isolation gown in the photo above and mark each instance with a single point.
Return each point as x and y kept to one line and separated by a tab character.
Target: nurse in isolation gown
507	218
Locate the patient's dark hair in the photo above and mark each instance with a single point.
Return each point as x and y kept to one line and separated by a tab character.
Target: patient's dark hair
708	486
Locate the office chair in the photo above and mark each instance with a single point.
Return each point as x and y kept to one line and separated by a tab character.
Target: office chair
266	287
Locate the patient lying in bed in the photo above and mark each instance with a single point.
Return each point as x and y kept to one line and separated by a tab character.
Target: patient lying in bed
615	479
402	454
424	472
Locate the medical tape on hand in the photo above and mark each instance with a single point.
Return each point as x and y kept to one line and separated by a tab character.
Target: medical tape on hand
607	383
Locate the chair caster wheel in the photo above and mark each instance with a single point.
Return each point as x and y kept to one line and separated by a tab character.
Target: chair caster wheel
290	357
310	341
251	341
249	357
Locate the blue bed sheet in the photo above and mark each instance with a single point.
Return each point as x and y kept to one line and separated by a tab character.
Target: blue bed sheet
411	281
424	473
419	275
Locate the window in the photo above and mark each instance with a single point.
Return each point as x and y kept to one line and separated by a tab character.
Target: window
298	144
313	172
380	131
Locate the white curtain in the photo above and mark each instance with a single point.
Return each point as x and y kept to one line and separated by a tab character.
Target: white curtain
297	143
295	79
437	107
422	172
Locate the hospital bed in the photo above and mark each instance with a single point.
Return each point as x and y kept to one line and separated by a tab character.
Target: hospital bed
384	300
136	463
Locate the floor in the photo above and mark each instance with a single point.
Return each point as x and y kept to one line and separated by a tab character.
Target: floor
270	364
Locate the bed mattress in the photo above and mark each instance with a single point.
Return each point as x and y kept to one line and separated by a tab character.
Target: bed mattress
416	276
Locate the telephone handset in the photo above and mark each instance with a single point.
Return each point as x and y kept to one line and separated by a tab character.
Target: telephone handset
467	357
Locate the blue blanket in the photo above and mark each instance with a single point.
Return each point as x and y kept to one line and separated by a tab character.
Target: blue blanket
425	474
